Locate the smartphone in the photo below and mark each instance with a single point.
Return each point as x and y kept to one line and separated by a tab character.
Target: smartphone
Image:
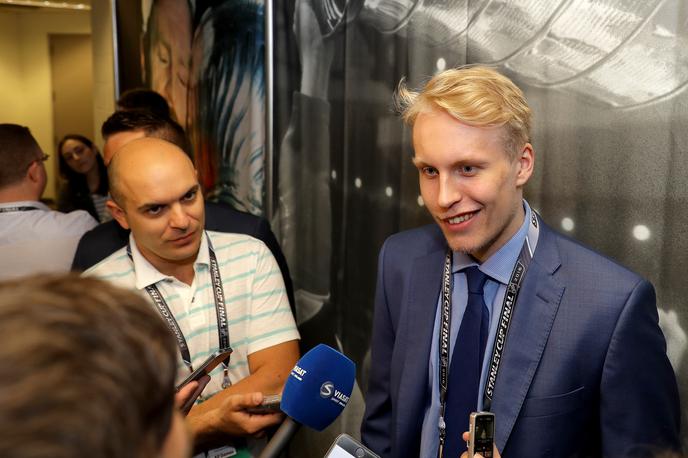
270	404
346	446
207	367
481	434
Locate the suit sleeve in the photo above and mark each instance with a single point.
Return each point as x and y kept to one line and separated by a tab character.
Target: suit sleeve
97	244
377	421
639	403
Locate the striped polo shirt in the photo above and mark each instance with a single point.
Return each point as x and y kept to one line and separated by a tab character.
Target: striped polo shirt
256	300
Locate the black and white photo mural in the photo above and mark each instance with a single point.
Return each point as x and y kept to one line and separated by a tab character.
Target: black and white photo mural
606	80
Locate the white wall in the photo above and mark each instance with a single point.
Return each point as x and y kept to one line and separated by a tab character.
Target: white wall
25	84
103	66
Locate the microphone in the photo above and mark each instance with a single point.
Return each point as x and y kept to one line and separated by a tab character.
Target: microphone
317	390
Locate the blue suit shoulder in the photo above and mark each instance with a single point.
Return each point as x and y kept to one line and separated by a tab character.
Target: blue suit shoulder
588	265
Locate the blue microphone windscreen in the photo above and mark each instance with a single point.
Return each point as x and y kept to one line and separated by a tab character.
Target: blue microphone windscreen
319	387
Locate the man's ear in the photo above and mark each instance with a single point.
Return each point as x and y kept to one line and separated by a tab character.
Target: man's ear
526	164
117	213
34	172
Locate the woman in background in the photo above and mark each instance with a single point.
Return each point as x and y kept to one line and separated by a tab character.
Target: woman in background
86	183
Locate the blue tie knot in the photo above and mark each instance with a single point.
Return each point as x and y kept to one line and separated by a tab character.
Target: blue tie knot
476	280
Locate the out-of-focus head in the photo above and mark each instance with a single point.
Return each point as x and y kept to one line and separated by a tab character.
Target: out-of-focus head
76	155
124	126
87	370
167	47
475	95
20	157
155	193
144	99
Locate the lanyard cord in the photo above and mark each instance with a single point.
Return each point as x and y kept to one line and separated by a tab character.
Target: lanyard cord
220	310
508	304
23	208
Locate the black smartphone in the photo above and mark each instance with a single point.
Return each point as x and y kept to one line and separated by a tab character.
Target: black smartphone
207	367
346	446
481	434
270	404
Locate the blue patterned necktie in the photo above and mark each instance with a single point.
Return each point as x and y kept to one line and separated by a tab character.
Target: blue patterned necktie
466	364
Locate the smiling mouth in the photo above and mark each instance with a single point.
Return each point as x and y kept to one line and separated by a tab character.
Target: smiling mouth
461	218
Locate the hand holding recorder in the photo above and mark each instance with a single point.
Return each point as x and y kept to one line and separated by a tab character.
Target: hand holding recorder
198	379
480	436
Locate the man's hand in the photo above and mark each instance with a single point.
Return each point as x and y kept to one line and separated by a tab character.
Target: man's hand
184	398
465	436
232	418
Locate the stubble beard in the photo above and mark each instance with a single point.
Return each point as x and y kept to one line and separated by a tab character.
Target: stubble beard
484	245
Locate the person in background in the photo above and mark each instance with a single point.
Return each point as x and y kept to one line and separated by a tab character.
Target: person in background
144	99
125	125
87	370
33	238
85	177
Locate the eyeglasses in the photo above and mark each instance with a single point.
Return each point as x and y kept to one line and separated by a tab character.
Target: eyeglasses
44	157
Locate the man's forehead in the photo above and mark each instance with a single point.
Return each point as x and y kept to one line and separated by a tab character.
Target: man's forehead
140	191
117	140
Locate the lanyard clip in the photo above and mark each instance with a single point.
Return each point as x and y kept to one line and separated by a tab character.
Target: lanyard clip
225	377
443	429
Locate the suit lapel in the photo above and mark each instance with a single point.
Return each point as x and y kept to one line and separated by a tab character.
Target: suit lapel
421	304
534	315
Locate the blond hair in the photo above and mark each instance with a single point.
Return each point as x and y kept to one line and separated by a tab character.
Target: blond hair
475	95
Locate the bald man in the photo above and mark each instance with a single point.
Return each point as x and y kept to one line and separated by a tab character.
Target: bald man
195	276
124	126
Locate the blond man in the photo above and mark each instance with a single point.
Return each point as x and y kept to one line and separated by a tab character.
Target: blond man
490	309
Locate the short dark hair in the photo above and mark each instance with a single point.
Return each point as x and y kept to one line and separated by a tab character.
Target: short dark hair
144	99
151	124
18	149
87	370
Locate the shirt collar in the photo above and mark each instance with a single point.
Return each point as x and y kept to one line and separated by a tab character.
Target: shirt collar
501	263
147	275
26	203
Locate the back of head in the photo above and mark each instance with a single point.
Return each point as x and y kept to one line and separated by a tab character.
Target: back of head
144	99
474	95
18	149
87	370
151	124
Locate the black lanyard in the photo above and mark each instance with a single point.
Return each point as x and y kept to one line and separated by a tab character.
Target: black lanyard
22	208
220	310
510	297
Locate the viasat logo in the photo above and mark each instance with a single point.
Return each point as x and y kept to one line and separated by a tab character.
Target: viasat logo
298	373
326	390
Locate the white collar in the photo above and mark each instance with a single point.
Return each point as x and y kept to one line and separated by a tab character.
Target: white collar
147	275
26	203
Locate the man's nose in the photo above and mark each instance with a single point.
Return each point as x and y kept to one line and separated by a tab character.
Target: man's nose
179	219
449	191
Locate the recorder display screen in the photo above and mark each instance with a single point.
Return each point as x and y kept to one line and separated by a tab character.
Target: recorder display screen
484	435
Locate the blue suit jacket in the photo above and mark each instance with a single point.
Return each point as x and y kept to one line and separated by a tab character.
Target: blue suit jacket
584	372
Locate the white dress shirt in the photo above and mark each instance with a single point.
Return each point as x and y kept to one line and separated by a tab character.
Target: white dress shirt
34	238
